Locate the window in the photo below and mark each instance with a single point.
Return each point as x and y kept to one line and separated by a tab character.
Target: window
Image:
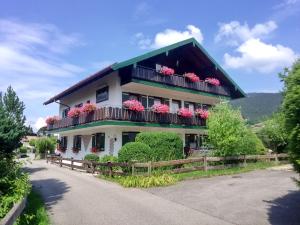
102	94
77	142
98	141
176	105
191	141
144	101
190	106
63	142
65	112
128	137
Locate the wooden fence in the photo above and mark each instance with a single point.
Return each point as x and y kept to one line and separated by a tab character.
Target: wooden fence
176	166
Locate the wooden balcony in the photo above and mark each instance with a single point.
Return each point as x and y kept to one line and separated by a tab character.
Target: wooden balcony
120	114
149	74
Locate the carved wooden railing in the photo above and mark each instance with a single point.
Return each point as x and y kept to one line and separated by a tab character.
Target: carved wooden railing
121	114
149	74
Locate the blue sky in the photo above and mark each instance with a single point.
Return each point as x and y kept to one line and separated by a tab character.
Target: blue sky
45	46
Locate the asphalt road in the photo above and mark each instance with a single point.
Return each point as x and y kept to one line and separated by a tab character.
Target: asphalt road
261	197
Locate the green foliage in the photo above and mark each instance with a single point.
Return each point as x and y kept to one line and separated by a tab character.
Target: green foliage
12	123
135	151
35	212
164	145
45	144
109	158
14	185
273	133
228	133
91	157
32	142
258	106
291	110
23	150
146	182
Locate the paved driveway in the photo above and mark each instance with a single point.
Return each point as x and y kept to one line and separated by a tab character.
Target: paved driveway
262	197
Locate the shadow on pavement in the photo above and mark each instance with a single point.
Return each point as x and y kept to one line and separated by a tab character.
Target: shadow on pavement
285	210
34	170
52	190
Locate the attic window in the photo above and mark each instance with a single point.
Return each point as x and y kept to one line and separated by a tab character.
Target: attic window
102	94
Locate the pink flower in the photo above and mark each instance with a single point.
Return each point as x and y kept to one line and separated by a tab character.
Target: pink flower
185	112
167	71
74	112
202	113
51	120
212	81
88	108
134	105
192	77
160	108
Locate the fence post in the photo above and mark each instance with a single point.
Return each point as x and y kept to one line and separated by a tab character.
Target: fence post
149	168
47	158
132	168
245	161
72	163
60	161
110	168
205	162
276	158
93	168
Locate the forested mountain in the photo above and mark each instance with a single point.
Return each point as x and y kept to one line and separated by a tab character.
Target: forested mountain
257	106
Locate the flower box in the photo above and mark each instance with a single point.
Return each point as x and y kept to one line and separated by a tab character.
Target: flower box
133	105
160	108
95	150
166	71
185	113
212	81
51	120
202	113
88	108
74	112
75	150
192	77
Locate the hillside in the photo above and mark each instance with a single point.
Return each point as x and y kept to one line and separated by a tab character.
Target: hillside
257	106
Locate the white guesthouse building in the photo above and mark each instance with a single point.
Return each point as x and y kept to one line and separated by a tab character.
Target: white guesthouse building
111	125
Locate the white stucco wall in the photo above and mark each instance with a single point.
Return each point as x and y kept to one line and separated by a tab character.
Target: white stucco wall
89	93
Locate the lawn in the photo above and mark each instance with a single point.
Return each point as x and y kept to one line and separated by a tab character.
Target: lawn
159	178
35	212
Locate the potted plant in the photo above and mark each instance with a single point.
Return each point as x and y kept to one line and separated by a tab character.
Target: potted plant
88	109
192	77
160	108
75	150
212	81
166	71
51	120
74	113
185	113
202	113
95	149
133	105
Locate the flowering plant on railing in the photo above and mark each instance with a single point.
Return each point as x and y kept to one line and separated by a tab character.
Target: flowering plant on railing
95	149
192	77
75	150
160	108
74	112
133	105
185	112
202	113
88	108
61	148
212	81
167	71
51	120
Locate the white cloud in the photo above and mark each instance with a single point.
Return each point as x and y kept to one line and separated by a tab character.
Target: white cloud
234	33
168	36
40	122
285	9
255	55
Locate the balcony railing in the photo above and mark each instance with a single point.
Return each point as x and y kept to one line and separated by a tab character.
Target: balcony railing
149	74
120	114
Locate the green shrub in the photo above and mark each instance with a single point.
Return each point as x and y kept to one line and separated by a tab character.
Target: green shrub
135	151
32	142
146	182
23	150
164	145
91	157
45	144
109	158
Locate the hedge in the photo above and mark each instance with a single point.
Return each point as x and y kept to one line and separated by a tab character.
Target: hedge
91	157
164	145
135	151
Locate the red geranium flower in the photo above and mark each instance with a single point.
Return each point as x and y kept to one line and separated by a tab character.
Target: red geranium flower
133	105
192	77
167	71
185	112
160	108
74	112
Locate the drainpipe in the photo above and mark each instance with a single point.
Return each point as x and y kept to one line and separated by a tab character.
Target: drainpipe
62	104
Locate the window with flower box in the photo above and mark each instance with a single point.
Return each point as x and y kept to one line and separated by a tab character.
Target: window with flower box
98	142
63	143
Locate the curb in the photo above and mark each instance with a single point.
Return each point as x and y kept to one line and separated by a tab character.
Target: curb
14	212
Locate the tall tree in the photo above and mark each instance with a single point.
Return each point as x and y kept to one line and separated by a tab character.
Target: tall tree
291	110
12	122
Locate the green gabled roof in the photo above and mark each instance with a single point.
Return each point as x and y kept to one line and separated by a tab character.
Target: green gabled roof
150	54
